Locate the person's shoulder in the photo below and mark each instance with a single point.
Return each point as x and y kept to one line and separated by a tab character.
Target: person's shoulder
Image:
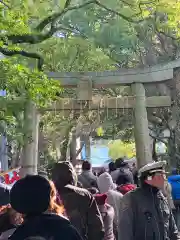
56	218
116	193
132	194
82	192
70	233
55	225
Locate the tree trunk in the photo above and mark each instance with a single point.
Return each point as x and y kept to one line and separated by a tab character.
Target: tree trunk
176	117
64	146
73	147
30	150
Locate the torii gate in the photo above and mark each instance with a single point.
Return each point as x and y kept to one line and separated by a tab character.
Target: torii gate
135	78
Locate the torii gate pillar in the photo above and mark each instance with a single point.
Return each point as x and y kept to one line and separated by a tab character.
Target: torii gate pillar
141	130
84	93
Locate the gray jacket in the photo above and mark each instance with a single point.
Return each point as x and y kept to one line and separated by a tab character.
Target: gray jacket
145	215
87	179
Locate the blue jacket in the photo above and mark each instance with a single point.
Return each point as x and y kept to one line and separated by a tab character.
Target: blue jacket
174	180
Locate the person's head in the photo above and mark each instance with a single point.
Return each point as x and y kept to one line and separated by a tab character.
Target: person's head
63	173
86	166
112	166
134	165
156	179
54	207
101	171
153	174
120	163
9	218
124	179
31	195
105	183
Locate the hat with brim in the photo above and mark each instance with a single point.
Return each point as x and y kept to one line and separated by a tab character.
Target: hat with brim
158	171
151	168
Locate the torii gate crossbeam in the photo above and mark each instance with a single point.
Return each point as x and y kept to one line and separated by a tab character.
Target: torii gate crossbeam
135	78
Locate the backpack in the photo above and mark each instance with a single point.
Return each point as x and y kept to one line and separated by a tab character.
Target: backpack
174	180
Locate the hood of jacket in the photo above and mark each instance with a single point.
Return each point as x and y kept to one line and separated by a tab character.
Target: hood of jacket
105	183
63	174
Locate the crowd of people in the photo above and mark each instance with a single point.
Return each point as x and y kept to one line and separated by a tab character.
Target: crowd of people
119	204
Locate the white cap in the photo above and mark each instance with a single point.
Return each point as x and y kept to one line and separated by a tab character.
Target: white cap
153	167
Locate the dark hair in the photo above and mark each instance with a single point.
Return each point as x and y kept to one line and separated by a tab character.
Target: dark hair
123	179
119	162
112	166
101	171
86	165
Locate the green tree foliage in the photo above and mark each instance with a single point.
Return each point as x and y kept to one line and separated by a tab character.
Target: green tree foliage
119	149
83	35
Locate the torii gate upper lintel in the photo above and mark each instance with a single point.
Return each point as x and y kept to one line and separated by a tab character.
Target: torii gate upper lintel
136	78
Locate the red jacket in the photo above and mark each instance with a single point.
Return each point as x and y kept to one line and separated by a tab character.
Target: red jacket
126	188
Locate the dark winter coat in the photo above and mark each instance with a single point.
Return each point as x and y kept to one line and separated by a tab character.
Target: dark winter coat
48	226
80	205
83	212
88	179
144	214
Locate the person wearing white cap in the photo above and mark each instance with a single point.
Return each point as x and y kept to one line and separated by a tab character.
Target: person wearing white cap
144	212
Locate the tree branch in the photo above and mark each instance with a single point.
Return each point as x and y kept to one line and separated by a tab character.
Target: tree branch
79	150
73	59
67	4
6	5
158	138
163	33
32	38
55	16
9	53
37	38
128	19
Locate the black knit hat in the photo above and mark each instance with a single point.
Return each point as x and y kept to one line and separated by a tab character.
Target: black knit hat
30	195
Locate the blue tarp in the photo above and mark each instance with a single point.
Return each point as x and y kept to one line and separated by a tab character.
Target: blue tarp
99	155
